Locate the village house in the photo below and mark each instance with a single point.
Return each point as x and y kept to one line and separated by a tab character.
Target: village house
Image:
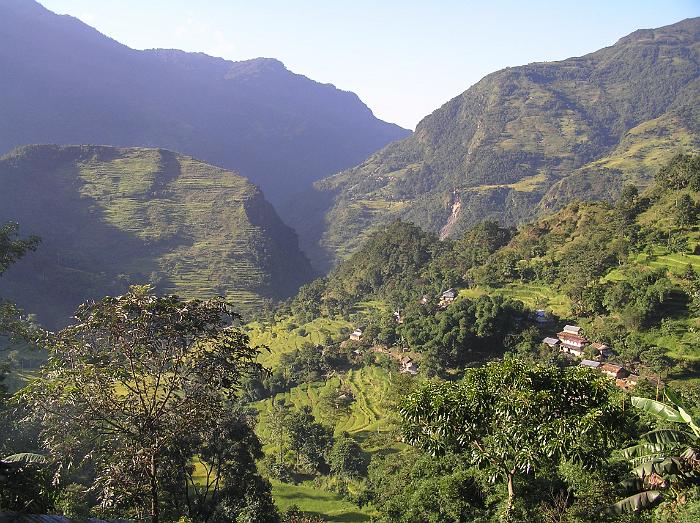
590	364
408	365
424	299
447	297
603	352
613	371
552	342
572	342
397	317
356	335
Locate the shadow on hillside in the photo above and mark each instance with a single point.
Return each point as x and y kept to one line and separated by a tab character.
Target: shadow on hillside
81	255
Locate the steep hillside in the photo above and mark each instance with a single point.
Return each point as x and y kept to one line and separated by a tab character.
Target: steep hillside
528	139
63	82
109	217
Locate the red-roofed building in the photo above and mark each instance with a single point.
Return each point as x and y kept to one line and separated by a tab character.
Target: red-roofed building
572	343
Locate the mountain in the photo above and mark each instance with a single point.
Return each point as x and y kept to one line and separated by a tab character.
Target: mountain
64	82
524	141
109	217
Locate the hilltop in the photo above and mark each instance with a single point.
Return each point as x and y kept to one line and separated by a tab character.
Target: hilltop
109	217
523	142
64	82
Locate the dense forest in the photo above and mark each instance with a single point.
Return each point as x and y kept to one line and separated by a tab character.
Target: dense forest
410	384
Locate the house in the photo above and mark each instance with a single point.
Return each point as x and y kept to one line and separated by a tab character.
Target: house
424	299
613	371
552	342
408	365
572	342
447	297
602	350
397	317
590	364
356	335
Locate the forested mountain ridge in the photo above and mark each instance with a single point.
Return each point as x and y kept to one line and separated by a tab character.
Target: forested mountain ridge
109	217
64	82
527	140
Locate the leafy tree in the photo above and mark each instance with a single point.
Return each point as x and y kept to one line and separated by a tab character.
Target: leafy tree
686	211
308	439
131	380
513	419
12	248
347	458
682	171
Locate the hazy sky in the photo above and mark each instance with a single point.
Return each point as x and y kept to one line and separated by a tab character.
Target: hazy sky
403	58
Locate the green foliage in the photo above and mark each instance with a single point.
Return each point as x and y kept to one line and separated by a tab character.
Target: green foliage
665	462
528	140
346	457
514	419
136	388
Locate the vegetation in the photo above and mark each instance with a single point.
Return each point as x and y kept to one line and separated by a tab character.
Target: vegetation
137	390
114	217
526	141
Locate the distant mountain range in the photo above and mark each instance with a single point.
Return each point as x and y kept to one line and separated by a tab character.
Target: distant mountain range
63	82
522	142
109	217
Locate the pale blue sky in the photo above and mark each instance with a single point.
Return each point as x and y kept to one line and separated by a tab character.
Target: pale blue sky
403	58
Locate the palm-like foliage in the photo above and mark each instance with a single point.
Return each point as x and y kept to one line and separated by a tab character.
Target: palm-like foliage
666	459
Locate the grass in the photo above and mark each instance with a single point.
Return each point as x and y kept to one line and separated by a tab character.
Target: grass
283	337
533	295
320	502
368	414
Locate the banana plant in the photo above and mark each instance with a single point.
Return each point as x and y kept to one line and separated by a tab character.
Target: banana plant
666	459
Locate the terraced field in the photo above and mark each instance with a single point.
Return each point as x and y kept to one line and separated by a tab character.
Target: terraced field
319	502
368	413
283	337
534	296
109	217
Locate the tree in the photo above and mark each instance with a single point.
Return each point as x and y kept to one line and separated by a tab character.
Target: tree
12	248
308	439
132	379
666	459
513	418
686	211
347	458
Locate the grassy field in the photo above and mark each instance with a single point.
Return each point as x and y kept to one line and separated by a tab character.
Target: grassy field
367	421
533	295
286	336
368	413
317	501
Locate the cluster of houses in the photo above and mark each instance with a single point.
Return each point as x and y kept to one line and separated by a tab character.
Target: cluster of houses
572	342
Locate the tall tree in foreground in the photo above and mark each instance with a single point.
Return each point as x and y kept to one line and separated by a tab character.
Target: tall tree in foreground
12	248
131	389
513	418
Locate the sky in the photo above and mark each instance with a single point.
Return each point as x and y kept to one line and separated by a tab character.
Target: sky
403	58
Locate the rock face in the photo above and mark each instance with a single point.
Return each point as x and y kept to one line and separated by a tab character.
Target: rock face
526	140
109	217
64	82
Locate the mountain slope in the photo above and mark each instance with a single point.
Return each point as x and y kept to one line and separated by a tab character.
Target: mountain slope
527	139
109	217
64	82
